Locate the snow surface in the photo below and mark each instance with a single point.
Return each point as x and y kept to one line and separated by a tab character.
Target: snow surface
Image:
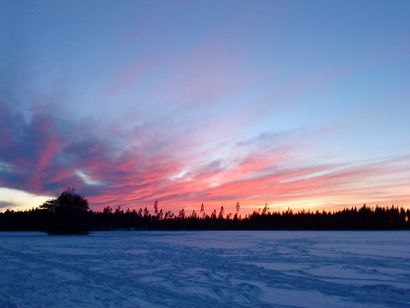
206	269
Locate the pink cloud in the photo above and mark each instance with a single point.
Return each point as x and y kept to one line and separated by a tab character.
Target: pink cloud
167	168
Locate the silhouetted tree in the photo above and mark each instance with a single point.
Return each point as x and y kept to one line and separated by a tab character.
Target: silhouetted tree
181	214
213	215
146	212
265	209
68	213
107	210
235	217
221	213
202	212
194	215
156	208
160	214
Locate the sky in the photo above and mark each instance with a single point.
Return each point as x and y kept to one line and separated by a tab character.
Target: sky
300	104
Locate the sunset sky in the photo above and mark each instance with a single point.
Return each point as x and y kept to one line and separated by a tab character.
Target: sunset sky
300	104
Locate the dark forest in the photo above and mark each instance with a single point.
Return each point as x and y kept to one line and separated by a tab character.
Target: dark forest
70	214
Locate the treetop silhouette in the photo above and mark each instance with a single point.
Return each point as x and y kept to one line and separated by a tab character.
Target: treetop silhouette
67	214
70	214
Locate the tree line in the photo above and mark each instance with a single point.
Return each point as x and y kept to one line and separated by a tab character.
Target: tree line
70	214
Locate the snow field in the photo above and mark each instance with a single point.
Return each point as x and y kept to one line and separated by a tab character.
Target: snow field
206	269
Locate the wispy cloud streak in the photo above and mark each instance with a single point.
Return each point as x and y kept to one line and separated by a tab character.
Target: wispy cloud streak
42	157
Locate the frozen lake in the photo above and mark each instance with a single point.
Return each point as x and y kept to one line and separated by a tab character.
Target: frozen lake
206	269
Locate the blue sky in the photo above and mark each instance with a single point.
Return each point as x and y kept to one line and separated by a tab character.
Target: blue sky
300	104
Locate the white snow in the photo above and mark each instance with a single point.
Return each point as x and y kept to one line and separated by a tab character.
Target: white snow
206	269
